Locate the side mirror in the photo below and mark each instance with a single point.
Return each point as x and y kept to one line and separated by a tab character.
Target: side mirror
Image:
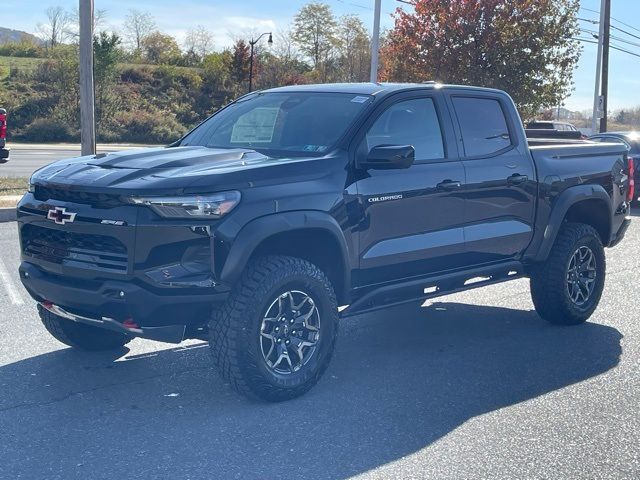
385	157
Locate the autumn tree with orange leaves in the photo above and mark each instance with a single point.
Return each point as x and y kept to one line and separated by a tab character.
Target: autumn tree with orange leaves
526	47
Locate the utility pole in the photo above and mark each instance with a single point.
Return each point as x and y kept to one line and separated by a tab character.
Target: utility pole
595	127
605	64
87	95
375	42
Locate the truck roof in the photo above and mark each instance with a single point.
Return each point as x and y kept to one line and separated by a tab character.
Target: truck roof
372	88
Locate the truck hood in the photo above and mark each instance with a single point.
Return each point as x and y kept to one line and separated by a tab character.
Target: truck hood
162	170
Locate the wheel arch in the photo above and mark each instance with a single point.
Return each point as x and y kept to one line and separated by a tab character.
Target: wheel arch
588	204
311	235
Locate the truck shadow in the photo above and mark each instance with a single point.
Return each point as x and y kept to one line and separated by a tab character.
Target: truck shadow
400	380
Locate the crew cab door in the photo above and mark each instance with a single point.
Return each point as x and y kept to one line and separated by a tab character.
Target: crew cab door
412	218
501	190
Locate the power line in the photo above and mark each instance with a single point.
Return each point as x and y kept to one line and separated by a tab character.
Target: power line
612	18
633	44
595	22
620	39
359	5
588	40
364	7
624	31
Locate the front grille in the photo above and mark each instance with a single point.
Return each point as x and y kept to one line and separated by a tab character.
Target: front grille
103	200
80	250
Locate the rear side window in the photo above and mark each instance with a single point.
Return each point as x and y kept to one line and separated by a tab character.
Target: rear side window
483	124
409	122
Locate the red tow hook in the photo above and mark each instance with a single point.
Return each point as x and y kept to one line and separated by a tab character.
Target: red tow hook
130	324
47	304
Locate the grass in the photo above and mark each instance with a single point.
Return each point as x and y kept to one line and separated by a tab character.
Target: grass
21	64
13	186
8	202
28	65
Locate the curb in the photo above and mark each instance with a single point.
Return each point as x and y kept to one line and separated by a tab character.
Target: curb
7	214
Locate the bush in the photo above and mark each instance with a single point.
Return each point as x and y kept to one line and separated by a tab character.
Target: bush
137	75
147	127
48	130
24	48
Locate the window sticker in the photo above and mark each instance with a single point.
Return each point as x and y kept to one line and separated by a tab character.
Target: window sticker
256	126
359	99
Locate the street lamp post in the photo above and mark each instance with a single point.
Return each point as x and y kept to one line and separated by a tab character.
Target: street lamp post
253	42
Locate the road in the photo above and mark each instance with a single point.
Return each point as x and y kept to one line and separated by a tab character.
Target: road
26	159
472	386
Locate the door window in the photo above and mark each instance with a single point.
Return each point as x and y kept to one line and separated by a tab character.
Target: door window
410	122
483	125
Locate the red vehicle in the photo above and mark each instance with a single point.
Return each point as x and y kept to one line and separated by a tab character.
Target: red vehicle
4	152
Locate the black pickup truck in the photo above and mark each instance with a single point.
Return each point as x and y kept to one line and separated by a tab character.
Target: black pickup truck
255	228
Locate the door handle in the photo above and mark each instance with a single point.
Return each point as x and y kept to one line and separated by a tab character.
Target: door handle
449	185
517	179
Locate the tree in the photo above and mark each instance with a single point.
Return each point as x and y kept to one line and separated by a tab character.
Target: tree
282	65
314	31
218	86
526	48
54	31
73	29
160	48
355	49
107	54
240	59
199	42
137	26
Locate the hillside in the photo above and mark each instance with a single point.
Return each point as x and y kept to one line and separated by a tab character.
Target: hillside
8	35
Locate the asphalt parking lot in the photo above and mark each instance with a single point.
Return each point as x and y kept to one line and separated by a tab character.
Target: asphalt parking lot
474	385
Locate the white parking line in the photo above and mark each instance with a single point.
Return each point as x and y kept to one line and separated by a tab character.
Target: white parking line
9	285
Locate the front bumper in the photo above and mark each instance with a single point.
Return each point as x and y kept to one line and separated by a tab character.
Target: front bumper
121	263
169	333
110	304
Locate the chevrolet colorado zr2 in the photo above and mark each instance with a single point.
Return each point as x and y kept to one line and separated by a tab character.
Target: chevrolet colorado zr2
254	228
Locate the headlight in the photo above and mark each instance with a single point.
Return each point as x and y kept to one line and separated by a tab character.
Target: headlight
215	205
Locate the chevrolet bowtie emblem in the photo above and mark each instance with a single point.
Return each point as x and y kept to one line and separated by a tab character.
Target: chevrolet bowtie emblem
61	216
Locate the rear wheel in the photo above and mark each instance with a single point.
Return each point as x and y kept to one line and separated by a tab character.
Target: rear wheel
79	335
274	337
566	289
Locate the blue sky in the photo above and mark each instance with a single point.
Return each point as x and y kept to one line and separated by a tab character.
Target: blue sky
228	19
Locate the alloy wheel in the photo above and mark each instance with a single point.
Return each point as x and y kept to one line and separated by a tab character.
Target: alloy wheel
581	275
290	332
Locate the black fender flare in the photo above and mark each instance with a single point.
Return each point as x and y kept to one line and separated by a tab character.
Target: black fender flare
258	230
561	206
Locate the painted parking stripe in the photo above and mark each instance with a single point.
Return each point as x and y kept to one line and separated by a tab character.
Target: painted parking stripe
9	285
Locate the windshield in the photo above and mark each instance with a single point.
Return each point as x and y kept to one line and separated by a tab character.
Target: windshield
296	123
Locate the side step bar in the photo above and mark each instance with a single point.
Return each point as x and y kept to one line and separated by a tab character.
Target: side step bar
425	288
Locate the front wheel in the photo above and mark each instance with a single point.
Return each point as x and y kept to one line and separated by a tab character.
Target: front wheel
566	289
274	337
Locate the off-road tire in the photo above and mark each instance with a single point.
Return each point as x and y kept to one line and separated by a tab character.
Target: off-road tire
549	290
81	336
235	328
